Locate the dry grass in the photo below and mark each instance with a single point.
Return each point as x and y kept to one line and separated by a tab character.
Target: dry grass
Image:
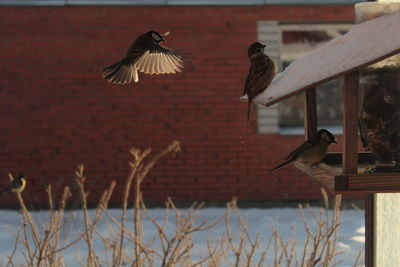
41	243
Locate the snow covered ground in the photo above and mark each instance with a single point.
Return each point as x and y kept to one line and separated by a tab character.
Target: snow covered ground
351	237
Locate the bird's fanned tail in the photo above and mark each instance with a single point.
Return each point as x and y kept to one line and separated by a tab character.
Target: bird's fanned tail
120	73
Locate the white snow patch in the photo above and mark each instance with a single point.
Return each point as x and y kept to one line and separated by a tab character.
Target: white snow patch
258	220
359	238
343	245
361	230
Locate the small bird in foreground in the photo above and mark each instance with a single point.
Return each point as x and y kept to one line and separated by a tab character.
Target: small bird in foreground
262	71
147	55
17	186
311	151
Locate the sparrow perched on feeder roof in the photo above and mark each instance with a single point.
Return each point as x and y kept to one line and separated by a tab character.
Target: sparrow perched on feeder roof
147	55
311	151
262	71
17	186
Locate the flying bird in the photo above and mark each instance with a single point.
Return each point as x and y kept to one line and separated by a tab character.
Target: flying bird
17	186
311	151
147	55
262	71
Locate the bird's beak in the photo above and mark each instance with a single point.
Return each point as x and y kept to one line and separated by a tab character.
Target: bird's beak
163	35
335	141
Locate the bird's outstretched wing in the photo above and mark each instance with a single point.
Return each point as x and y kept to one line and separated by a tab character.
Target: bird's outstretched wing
160	60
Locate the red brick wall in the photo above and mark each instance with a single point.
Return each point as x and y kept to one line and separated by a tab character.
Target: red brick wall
56	111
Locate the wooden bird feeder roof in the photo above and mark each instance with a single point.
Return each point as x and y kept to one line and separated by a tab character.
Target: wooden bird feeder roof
365	44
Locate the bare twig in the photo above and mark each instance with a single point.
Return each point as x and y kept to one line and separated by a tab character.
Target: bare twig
10	258
236	247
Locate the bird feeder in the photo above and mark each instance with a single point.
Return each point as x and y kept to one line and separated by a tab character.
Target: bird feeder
344	56
366	43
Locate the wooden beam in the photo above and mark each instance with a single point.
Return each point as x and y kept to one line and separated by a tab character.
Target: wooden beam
368	183
332	179
350	122
374	182
310	113
341	183
369	230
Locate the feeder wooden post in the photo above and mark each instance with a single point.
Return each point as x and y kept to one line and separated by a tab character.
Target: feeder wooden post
350	122
310	113
369	230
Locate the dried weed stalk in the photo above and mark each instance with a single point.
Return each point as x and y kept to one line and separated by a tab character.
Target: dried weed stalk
41	245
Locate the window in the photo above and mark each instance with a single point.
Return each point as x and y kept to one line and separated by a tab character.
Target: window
285	43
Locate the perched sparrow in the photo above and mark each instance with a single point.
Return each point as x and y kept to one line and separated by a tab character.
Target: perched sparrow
17	185
145	55
312	151
262	71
